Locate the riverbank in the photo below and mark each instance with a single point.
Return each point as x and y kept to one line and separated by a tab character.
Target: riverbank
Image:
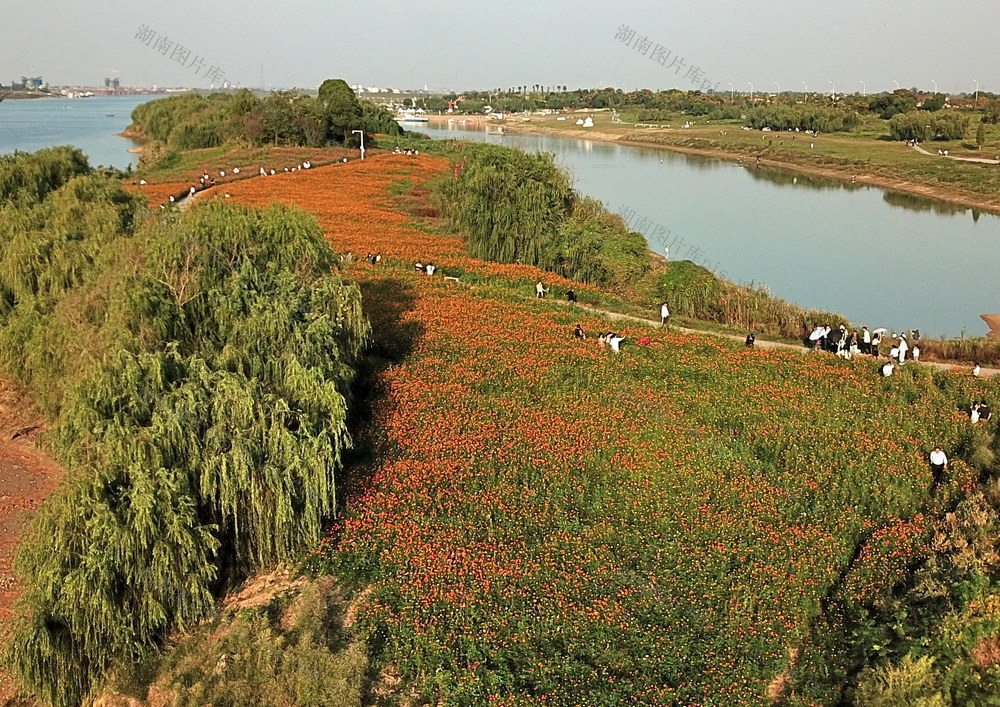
699	141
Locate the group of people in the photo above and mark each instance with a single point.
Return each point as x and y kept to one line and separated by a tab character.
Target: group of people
374	258
405	151
427	269
848	344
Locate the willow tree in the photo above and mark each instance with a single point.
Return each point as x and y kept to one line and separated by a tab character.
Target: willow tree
207	447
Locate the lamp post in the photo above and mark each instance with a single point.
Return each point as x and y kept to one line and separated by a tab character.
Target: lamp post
732	92
779	89
751	90
806	86
864	88
935	86
977	93
897	84
833	90
362	134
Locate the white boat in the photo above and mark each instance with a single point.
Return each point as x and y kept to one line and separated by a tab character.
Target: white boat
410	118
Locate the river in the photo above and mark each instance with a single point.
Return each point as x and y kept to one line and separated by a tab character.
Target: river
879	257
88	123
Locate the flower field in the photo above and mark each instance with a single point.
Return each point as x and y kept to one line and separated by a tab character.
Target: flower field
542	521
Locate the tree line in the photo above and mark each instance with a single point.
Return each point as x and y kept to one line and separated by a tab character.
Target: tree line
282	118
196	370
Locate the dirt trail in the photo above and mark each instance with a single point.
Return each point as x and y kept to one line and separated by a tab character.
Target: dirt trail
27	477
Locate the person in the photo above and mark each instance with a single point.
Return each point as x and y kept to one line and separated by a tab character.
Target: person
418	266
854	349
815	337
984	411
887	369
939	463
750	340
664	314
571	296
894	353
540	290
615	341
431	268
643	341
873	346
974	412
903	348
915	352
579	333
370	259
976	370
602	339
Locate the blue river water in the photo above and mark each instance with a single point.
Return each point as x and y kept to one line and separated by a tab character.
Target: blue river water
88	123
881	258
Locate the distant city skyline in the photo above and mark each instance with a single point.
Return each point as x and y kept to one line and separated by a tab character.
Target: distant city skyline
721	44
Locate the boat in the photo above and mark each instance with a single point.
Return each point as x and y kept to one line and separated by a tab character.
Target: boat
404	117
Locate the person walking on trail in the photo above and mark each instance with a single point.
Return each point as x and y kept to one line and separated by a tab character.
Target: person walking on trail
750	340
939	463
571	296
977	370
540	290
664	314
579	333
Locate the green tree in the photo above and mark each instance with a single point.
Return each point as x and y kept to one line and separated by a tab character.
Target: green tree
981	135
340	107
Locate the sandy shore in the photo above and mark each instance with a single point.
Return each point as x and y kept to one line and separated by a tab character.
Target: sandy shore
954	196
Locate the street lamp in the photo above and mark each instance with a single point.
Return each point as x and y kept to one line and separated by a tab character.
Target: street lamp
362	134
779	89
977	93
897	84
751	90
806	86
864	89
935	86
732	92
833	91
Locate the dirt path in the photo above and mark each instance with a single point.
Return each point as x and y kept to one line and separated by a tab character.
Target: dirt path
27	477
985	372
981	160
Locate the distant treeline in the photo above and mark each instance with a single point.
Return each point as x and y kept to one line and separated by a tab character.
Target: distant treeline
516	207
282	118
196	370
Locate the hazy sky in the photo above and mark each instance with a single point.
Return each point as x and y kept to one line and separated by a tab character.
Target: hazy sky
469	44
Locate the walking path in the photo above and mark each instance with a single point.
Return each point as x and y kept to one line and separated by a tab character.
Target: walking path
761	344
981	160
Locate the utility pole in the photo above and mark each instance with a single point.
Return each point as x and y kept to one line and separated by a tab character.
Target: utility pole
362	134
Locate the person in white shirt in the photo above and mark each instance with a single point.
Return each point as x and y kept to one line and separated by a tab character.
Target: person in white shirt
540	290
866	341
939	462
977	369
887	369
903	347
664	314
615	341
915	352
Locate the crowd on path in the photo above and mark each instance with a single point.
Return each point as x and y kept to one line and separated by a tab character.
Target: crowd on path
848	344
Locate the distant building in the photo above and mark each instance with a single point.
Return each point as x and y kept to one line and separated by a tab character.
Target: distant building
115	83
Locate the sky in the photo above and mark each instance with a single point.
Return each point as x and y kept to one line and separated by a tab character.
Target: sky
452	45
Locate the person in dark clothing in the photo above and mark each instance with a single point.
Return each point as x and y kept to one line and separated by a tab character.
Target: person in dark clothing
571	296
579	333
750	340
984	411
